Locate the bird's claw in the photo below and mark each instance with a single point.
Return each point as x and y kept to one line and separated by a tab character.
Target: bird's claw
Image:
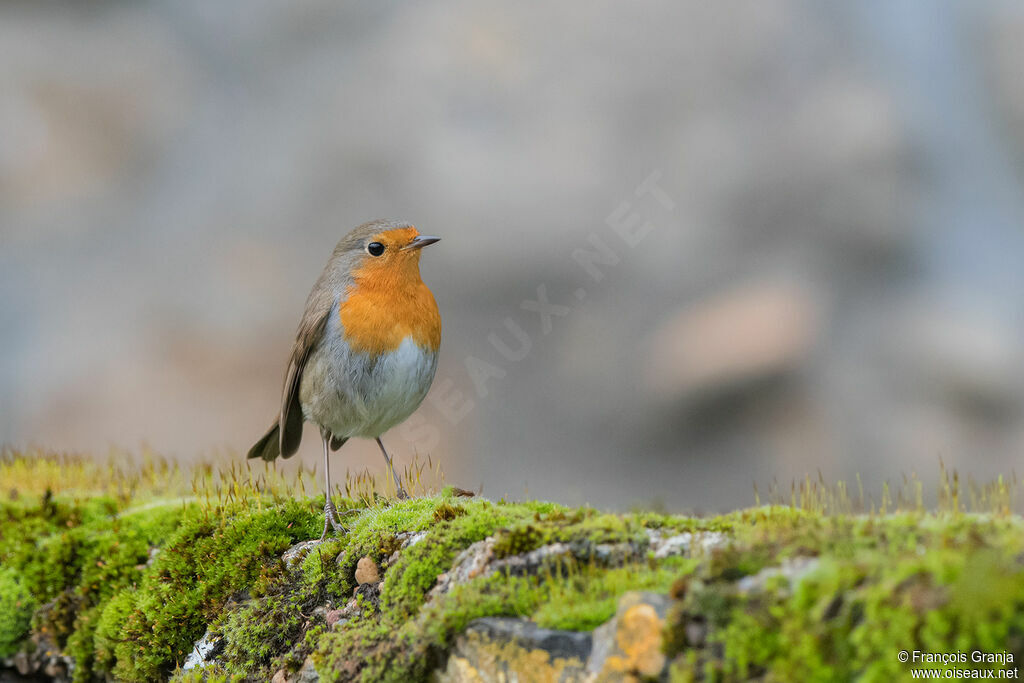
330	519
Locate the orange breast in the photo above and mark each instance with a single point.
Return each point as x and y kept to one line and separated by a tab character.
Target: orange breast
385	307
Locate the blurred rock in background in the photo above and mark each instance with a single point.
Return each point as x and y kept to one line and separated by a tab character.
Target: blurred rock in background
830	279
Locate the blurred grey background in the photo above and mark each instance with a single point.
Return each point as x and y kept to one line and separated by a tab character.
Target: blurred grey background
835	287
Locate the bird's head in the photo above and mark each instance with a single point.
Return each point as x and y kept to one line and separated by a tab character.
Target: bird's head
385	253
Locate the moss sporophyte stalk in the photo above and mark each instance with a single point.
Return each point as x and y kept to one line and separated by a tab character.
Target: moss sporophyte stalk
118	574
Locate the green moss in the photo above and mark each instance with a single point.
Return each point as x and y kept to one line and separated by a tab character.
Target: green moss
107	606
383	648
261	630
16	607
584	600
406	639
584	527
107	635
387	648
877	585
272	629
419	566
446	512
209	674
25	521
519	539
320	569
208	559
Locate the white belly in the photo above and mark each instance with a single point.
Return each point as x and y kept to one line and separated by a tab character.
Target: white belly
354	396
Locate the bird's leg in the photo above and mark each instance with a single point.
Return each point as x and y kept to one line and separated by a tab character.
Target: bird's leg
402	495
330	514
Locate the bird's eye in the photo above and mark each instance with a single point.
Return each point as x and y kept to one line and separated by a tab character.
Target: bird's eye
375	248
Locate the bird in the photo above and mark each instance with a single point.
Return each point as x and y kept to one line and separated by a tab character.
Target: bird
365	352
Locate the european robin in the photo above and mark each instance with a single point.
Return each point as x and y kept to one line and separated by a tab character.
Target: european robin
366	349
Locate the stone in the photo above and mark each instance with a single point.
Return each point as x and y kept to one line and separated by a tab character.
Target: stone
468	564
56	670
280	676
792	569
308	673
685	544
204	651
696	633
367	571
506	649
43	656
294	556
478	560
410	538
630	644
406	539
529	563
23	663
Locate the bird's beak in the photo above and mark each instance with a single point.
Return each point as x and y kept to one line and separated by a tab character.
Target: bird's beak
421	241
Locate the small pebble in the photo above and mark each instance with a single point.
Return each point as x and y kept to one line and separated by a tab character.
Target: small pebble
367	571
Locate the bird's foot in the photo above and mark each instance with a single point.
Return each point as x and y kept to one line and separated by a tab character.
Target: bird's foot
330	519
400	493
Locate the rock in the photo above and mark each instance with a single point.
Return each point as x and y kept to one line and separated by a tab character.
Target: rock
793	570
44	657
307	674
684	544
334	616
204	651
280	676
630	644
364	595
370	594
478	560
320	611
696	633
297	553
504	649
407	539
367	571
410	538
23	663
56	670
529	563
468	564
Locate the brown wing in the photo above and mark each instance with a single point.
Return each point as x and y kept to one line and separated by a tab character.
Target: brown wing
311	331
285	435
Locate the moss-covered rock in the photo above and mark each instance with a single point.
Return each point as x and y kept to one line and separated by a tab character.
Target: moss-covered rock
123	587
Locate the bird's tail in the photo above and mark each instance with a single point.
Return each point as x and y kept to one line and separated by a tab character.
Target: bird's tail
269	447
